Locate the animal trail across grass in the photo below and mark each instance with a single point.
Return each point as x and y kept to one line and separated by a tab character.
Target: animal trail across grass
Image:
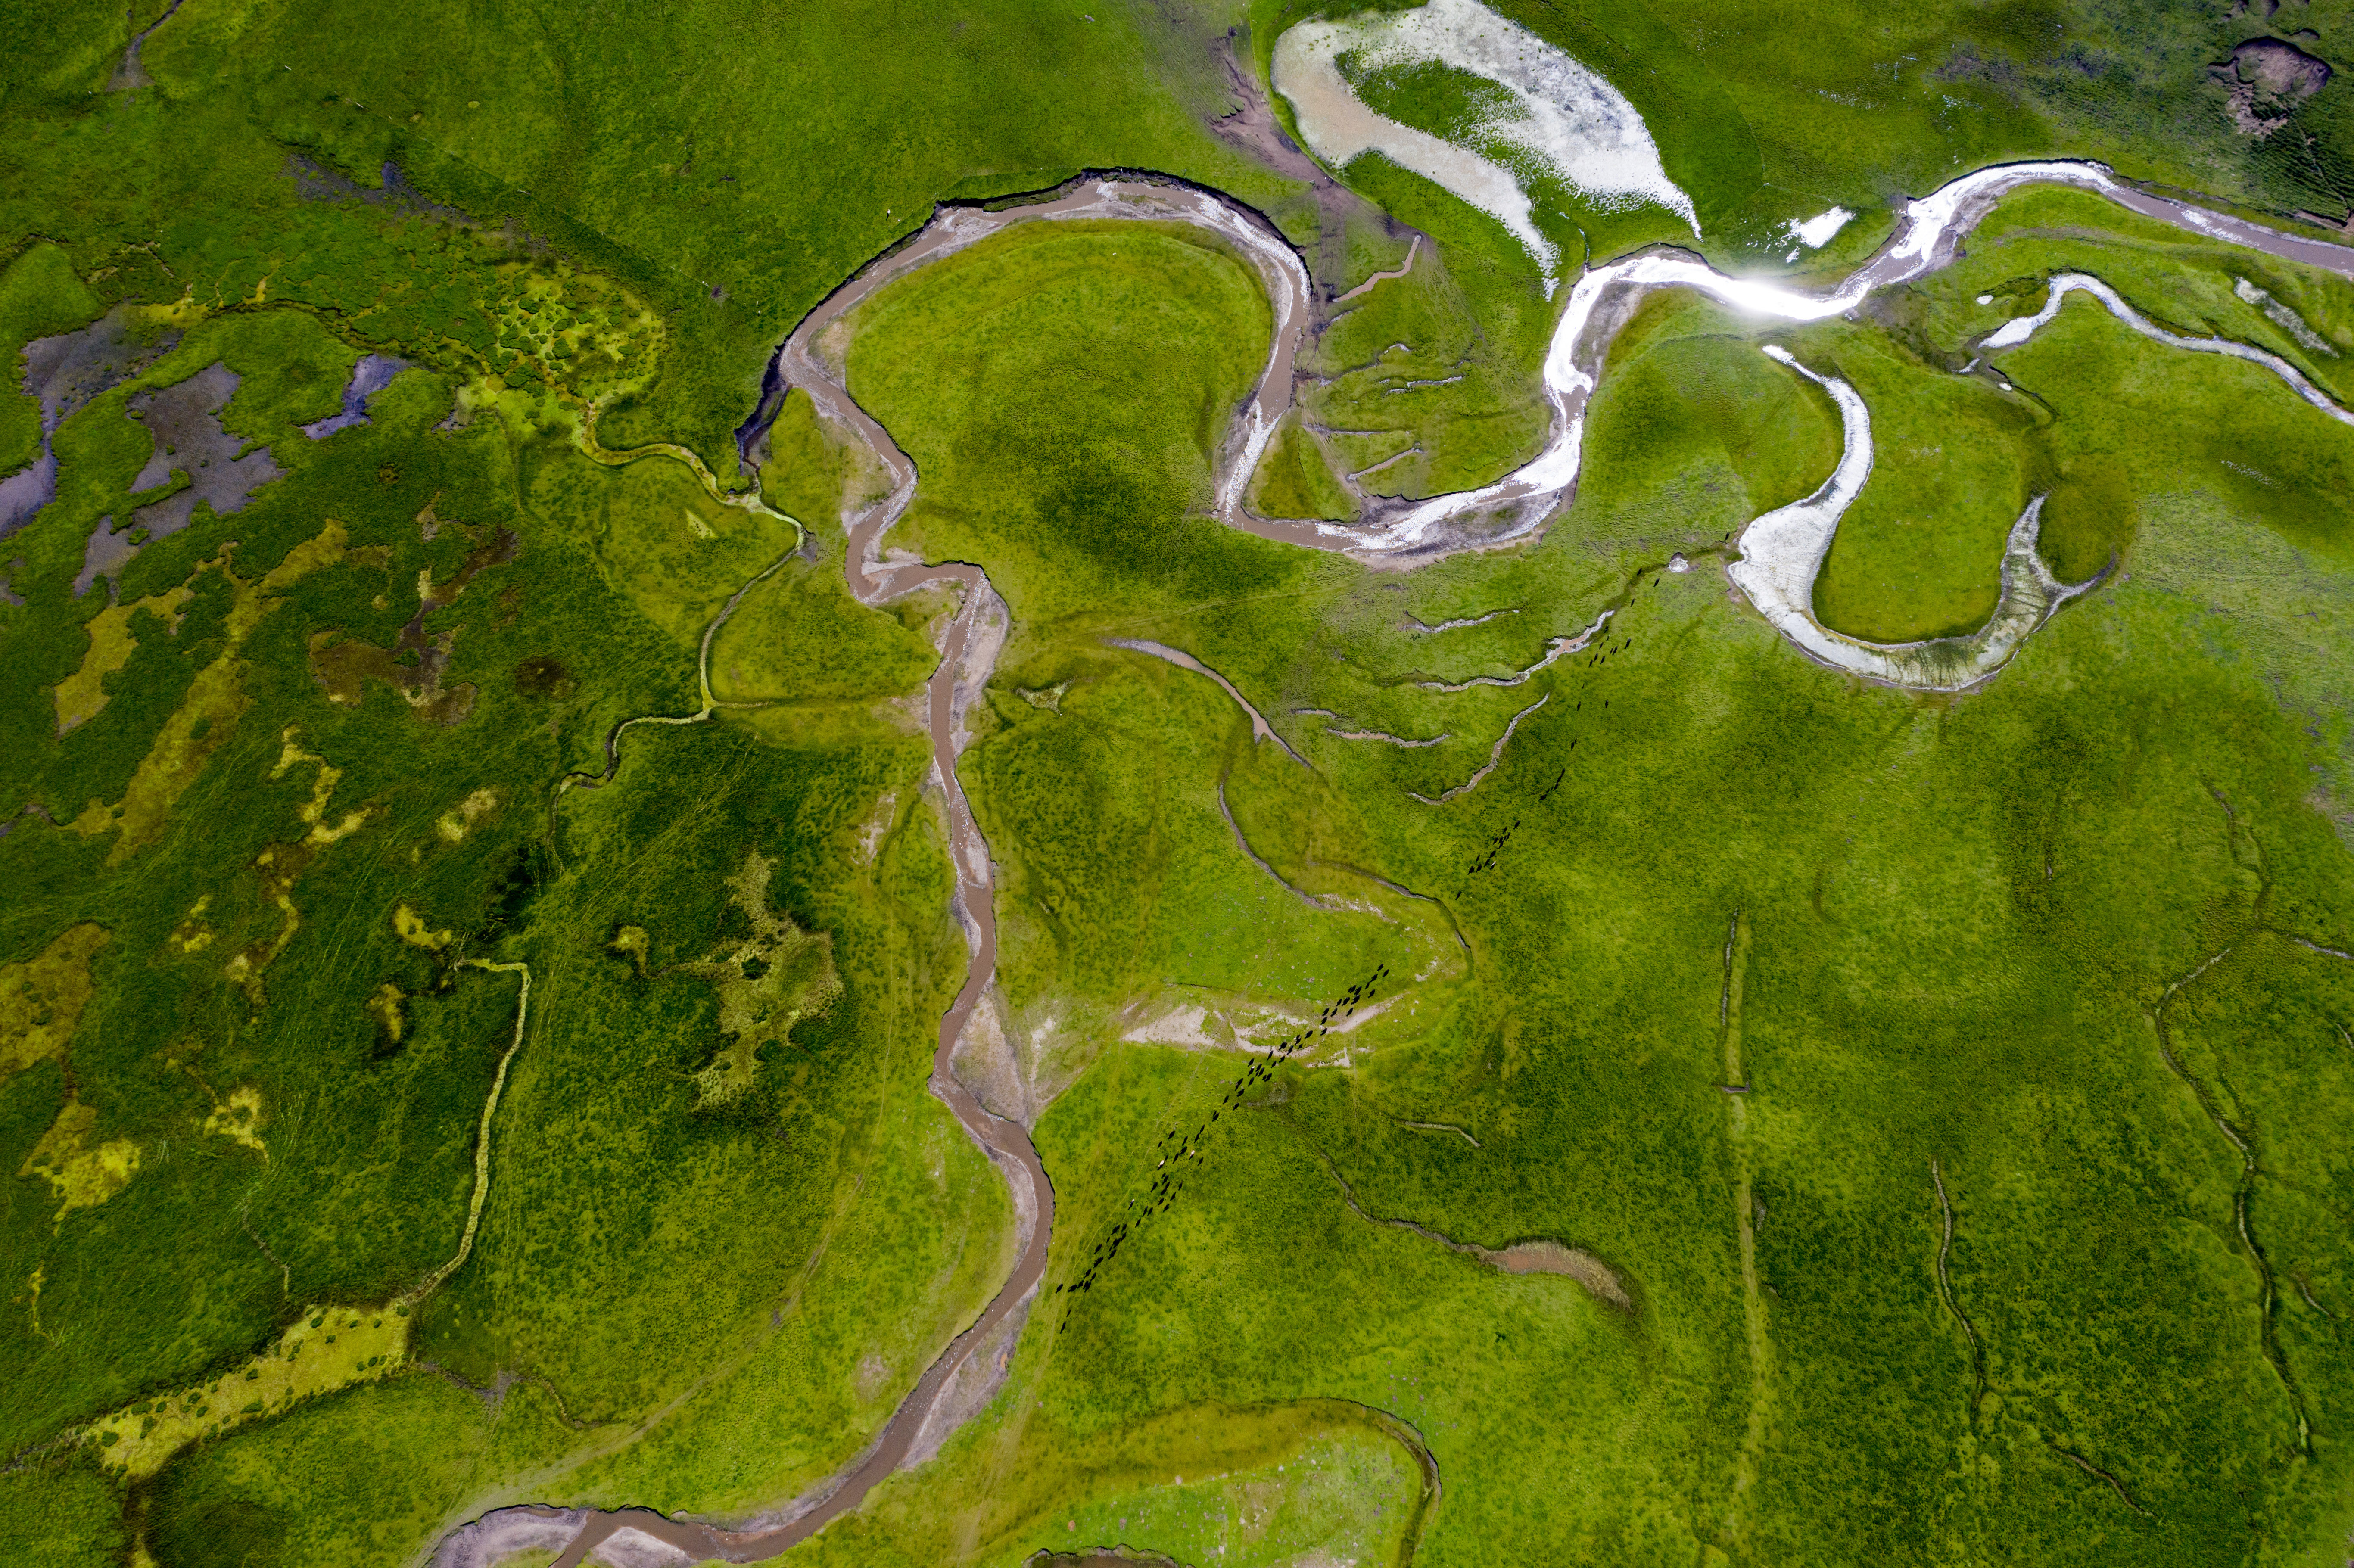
1492	848
1178	1153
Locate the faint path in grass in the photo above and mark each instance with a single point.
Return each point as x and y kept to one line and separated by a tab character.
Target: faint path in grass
1751	1454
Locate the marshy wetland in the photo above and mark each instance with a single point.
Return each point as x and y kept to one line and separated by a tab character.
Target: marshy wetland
1522	829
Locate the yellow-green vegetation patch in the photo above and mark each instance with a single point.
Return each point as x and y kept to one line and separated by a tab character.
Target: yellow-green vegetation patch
81	694
632	942
193	934
83	1175
41	998
215	700
454	823
413	929
328	1348
314	811
281	866
572	329
238	1118
387	1004
767	983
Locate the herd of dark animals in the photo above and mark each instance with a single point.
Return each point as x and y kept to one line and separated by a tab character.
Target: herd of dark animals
1174	1164
1486	861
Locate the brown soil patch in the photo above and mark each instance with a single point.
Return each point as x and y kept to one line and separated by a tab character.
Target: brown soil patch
1254	127
544	675
1552	1257
415	663
2264	80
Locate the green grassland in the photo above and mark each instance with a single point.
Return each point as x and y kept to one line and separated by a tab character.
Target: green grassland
1950	967
1955	952
1952	1086
974	366
687	191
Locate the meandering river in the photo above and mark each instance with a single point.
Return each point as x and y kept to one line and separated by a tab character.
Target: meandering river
1781	551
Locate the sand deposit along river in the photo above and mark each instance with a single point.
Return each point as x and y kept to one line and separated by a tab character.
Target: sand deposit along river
1779	555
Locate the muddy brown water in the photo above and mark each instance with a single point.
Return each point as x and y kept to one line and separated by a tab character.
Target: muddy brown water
1929	238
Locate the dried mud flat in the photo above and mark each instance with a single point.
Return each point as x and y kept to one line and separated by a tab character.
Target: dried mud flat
1552	1257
